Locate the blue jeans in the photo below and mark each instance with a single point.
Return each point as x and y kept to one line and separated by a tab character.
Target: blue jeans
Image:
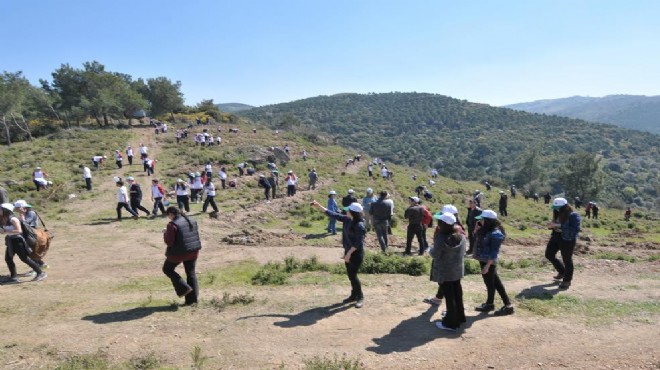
332	226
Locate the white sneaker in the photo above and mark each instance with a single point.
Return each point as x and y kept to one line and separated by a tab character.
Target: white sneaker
268	202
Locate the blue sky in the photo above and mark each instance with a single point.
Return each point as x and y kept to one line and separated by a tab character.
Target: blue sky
265	52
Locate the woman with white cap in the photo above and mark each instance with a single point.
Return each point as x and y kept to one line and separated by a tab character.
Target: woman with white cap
333	207
353	235
181	191
291	183
565	226
489	235
447	269
16	245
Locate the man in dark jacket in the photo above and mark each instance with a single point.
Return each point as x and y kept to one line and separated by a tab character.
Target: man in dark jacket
414	214
313	176
135	196
504	203
348	200
381	212
265	184
183	244
471	222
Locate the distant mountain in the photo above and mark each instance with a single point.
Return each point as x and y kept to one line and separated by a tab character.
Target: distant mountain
473	141
233	107
638	112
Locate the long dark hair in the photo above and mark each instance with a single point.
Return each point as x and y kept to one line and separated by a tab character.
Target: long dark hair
356	216
564	212
491	224
171	210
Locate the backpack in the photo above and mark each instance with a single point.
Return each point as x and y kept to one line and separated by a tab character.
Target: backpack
427	217
29	235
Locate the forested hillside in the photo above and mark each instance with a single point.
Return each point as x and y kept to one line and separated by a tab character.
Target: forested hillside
630	111
233	107
466	140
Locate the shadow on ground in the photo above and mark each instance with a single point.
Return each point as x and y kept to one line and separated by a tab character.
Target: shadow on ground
542	292
305	318
136	313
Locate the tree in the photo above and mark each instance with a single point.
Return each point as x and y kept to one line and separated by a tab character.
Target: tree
530	168
163	95
15	92
582	176
208	106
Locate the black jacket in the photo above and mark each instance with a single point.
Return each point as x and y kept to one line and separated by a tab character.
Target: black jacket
187	237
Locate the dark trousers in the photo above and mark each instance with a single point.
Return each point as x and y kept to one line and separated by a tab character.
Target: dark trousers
119	164
426	243
503	211
146	166
493	283
211	201
414	230
124	205
182	202
352	268
439	294
130	160
16	246
224	183
273	189
150	170
470	240
290	190
557	244
38	185
267	193
88	183
455	315
194	194
158	204
380	226
135	206
181	286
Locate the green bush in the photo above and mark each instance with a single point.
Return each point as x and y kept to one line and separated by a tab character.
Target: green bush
305	223
322	363
270	274
472	266
377	263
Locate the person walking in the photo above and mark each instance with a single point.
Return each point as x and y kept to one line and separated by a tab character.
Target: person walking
222	174
587	210
291	183
594	210
157	195
265	184
490	234
135	195
353	235
118	159
313	177
565	226
381	212
470	221
15	244
196	188
123	199
504	203
209	188
182	196
87	175
366	205
183	245
332	207
129	155
547	197
447	270
414	214
144	151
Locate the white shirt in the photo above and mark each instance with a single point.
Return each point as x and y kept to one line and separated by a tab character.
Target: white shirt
129	152
143	150
155	192
197	183
390	202
118	157
122	195
218	139
384	172
208	168
97	158
38	174
210	190
223	175
181	189
87	173
291	180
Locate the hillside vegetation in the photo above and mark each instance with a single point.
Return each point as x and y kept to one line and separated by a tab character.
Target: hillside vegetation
637	112
466	140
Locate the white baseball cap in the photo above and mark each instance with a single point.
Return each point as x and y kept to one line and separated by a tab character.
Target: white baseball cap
130	178
414	199
8	206
446	217
370	190
487	214
355	207
449	208
21	204
332	192
116	178
558	203
350	191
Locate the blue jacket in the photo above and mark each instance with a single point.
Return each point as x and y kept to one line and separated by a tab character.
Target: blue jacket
352	232
488	245
571	228
332	205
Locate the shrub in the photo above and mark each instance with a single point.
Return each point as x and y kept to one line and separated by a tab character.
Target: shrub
322	363
377	263
270	274
472	266
305	223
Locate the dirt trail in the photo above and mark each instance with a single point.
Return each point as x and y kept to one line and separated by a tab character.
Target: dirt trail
89	303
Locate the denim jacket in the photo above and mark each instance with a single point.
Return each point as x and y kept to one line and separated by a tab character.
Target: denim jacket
571	228
488	245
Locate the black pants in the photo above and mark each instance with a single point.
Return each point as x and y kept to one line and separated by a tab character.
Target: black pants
557	244
181	286
426	243
38	185
439	294
503	211
290	190
415	230
16	246
493	283
224	183
455	315
130	160
150	170
470	240
182	202
124	205
194	194
135	206
211	201
146	166
158	204
119	164
88	183
267	193
352	268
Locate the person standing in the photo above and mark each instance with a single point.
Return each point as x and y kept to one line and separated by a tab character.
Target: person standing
87	175
16	245
265	184
353	235
135	195
38	177
129	155
182	197
291	183
504	203
370	170
565	226
144	151
196	188
447	270
157	195
332	207
183	245
222	174
490	235
627	214
118	159
366	205
123	199
381	211
594	210
471	222
414	214
272	180
210	196
313	177
209	170
587	210
348	199
547	197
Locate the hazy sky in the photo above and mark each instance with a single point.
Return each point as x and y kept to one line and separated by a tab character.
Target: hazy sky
271	51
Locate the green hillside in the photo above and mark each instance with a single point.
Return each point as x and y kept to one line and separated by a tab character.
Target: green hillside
472	141
637	112
233	107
